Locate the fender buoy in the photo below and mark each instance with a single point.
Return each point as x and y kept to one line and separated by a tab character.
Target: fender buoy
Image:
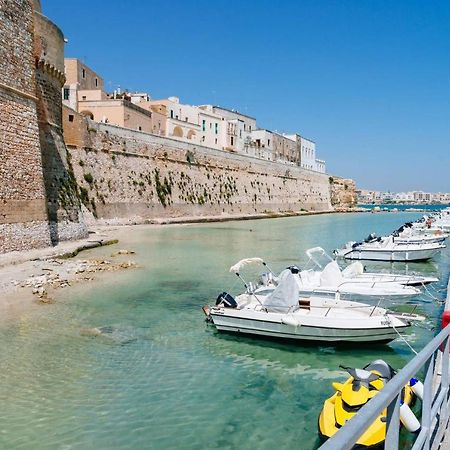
416	387
408	418
289	320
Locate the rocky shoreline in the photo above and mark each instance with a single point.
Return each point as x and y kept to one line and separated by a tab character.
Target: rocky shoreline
38	275
57	274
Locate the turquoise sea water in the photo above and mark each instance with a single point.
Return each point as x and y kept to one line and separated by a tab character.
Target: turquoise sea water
160	378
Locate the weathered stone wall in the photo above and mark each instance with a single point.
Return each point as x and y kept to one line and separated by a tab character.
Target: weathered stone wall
128	174
343	193
22	193
37	202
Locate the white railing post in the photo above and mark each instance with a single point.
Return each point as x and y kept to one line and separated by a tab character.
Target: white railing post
445	378
393	423
427	401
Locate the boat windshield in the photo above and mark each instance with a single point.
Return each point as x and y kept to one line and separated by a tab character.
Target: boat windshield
318	257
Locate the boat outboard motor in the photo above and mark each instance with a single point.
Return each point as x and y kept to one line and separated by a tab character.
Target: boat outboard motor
294	269
226	300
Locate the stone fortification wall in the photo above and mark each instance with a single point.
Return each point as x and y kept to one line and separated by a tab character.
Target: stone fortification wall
63	204
30	95
343	193
22	192
129	174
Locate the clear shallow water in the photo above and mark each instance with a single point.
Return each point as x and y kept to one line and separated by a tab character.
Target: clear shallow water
160	378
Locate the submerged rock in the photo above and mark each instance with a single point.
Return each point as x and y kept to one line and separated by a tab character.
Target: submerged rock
109	334
123	252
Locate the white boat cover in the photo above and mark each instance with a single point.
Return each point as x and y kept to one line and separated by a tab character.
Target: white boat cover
331	275
285	295
245	262
353	270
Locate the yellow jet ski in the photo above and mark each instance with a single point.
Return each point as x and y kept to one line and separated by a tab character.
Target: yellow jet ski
354	393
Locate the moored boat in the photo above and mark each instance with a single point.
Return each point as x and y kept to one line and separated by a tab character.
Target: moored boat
388	250
282	313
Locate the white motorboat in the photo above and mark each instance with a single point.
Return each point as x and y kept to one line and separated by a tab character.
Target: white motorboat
385	249
283	313
406	234
439	222
327	278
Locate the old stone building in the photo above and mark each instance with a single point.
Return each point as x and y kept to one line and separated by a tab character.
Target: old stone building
39	204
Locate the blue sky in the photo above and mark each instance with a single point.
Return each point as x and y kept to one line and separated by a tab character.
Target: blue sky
368	80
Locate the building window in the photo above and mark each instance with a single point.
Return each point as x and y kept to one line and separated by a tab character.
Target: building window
83	73
171	113
185	119
245	127
70	117
83	97
210	125
203	138
96	82
140	128
232	140
203	125
215	141
240	133
249	128
268	142
66	93
217	129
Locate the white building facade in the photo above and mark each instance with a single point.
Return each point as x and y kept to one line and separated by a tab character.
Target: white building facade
263	142
238	129
308	153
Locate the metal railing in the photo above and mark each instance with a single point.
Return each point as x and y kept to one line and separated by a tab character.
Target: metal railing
434	359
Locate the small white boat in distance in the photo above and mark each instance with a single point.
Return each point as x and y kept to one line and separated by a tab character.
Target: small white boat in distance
326	277
435	222
283	313
385	249
406	234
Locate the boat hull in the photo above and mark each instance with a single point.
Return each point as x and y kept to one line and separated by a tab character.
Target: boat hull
418	240
392	255
326	333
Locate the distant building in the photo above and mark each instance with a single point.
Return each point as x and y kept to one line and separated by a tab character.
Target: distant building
263	141
285	148
320	166
237	136
208	125
84	92
82	83
308	154
138	97
296	153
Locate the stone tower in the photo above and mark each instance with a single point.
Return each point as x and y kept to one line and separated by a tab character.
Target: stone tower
39	204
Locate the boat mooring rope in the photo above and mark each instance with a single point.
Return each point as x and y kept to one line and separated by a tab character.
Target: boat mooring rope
401	337
436	299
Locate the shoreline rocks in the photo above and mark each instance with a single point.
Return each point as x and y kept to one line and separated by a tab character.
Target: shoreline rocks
55	274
